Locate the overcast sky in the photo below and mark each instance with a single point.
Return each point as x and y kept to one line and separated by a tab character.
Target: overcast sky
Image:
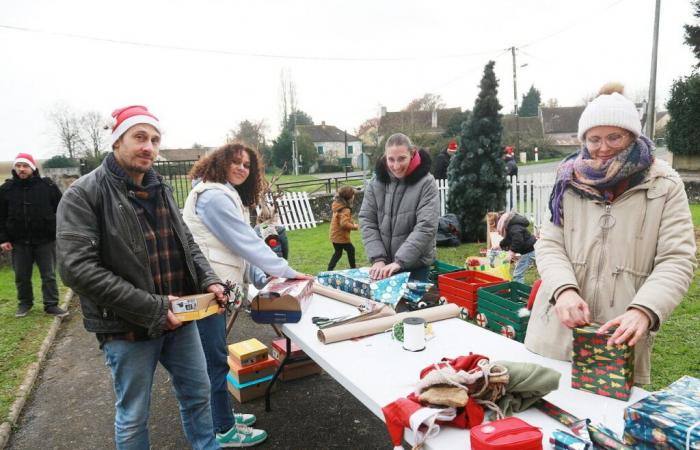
203	66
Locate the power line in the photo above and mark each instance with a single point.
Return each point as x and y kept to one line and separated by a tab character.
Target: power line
239	53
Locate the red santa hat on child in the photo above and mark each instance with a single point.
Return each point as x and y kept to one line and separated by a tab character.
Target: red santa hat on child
25	158
405	413
127	117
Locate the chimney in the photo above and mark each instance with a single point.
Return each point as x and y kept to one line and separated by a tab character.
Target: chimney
382	111
323	124
433	122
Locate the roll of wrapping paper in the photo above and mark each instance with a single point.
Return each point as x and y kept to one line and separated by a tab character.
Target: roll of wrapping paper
346	297
601	436
379	325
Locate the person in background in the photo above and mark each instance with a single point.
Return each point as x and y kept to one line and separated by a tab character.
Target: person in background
342	225
275	236
400	212
620	248
227	182
511	165
28	206
517	239
442	160
124	249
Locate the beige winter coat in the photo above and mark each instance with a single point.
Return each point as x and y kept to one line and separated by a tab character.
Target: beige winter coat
645	257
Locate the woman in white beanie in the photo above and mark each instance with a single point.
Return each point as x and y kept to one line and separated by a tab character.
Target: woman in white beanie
620	249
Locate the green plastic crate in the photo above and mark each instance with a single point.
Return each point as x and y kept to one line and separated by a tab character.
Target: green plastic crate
498	308
440	267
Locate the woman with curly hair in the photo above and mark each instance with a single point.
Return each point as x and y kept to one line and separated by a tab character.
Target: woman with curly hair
227	182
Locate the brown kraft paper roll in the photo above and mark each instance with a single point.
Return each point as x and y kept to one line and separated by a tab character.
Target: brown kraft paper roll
379	325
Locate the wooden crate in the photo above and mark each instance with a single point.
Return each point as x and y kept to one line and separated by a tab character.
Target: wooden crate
439	268
500	308
461	287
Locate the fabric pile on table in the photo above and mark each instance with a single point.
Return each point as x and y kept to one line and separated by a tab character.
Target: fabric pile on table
460	392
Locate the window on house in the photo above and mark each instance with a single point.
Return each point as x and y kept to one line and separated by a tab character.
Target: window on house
349	149
319	149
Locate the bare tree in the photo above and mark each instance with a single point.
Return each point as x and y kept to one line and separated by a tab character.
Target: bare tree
248	133
92	125
428	102
552	103
288	98
67	128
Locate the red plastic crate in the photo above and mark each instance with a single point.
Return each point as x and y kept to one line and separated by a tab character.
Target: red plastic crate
460	287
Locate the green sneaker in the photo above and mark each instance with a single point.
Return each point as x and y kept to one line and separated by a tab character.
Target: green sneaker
241	436
244	419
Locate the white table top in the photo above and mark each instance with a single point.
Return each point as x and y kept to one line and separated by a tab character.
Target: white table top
377	371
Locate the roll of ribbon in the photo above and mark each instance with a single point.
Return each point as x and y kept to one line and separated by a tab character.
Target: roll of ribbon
413	334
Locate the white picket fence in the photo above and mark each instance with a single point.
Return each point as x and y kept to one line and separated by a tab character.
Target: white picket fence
294	210
528	195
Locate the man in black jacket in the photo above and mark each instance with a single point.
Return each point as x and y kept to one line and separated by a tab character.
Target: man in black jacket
28	229
124	249
442	160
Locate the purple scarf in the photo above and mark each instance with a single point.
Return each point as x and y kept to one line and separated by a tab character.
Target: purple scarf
590	177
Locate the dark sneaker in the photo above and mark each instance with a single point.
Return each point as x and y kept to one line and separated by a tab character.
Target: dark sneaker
241	436
22	310
56	311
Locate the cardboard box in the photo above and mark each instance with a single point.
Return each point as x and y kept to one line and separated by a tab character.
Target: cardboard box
278	349
244	374
299	370
282	301
194	307
248	391
599	368
248	352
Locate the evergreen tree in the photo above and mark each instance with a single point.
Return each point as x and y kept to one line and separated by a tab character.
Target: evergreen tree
282	150
692	33
682	131
477	173
531	102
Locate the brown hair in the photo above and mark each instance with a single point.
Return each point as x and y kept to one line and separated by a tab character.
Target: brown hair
214	167
345	195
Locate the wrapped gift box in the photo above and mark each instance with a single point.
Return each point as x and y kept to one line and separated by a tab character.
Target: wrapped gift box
662	421
194	307
248	352
244	374
686	387
250	390
502	308
357	281
282	301
599	368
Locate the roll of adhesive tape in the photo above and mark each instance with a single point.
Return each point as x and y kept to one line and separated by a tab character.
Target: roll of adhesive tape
413	334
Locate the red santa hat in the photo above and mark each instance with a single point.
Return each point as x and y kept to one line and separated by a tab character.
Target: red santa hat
452	146
509	150
27	159
405	413
127	117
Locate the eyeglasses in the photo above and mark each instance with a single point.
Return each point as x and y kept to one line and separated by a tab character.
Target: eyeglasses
614	140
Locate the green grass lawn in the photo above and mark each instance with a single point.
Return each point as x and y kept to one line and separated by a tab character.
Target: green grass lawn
677	348
20	338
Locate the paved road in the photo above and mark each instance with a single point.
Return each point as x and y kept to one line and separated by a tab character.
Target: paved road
72	405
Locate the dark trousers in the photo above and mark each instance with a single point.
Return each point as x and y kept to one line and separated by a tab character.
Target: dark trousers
23	258
349	248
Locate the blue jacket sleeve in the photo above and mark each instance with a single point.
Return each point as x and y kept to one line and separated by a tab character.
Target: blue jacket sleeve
224	221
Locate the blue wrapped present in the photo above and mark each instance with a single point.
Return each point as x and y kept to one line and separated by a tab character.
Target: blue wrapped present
415	290
563	440
686	387
357	281
663	420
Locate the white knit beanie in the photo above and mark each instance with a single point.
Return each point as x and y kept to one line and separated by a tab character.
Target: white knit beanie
614	110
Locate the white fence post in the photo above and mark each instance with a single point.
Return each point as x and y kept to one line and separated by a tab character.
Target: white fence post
529	195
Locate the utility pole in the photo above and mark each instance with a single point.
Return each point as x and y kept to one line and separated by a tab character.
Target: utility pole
651	106
346	155
515	102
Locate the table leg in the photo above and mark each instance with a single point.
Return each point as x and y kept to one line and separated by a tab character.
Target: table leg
288	344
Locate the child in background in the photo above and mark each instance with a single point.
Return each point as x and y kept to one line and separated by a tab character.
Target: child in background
342	225
275	236
518	239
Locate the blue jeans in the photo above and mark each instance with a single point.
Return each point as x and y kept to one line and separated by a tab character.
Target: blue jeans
522	265
133	365
212	332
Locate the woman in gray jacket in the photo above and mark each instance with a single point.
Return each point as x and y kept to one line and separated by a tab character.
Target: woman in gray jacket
400	212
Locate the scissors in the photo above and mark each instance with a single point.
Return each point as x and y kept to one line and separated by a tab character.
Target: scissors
322	322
